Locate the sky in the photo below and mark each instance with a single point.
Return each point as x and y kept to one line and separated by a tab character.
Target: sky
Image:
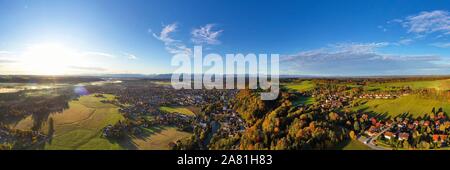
312	37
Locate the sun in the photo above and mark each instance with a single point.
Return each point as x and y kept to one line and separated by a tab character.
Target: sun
49	59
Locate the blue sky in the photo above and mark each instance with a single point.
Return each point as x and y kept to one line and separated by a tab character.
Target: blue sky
312	37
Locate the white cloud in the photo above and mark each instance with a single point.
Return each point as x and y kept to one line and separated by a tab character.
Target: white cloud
405	41
84	68
98	54
382	28
206	35
441	45
426	22
336	52
130	56
179	48
165	33
202	35
7	57
5	52
6	61
172	46
395	21
434	23
359	59
358	47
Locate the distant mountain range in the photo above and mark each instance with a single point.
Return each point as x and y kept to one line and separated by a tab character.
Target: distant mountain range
169	76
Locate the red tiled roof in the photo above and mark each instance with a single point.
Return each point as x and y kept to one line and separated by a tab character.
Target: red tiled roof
404	135
441	137
390	134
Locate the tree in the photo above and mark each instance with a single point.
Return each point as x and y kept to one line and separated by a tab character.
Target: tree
51	129
425	145
356	126
352	135
281	144
406	144
333	116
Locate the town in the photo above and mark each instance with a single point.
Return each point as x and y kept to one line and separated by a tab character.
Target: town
308	114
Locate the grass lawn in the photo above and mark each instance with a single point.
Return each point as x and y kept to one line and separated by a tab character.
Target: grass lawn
79	126
164	83
304	100
300	86
181	110
355	145
156	138
412	104
437	84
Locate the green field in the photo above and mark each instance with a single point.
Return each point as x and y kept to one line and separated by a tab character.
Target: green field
156	138
163	83
412	104
80	126
181	110
300	86
304	100
436	84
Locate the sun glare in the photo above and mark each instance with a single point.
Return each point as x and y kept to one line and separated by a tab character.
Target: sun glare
49	59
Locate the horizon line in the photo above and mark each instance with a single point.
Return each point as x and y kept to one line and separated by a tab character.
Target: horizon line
140	75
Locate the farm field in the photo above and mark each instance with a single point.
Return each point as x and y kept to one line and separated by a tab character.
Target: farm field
436	84
163	83
80	126
415	105
304	100
181	110
155	138
302	86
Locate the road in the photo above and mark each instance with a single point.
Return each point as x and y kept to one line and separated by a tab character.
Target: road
369	141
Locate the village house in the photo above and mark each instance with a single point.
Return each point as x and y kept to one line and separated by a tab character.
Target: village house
372	131
403	136
389	135
439	138
411	126
389	123
416	123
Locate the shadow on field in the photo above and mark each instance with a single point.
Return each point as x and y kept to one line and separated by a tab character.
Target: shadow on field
380	116
387	115
341	145
125	142
148	132
128	143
